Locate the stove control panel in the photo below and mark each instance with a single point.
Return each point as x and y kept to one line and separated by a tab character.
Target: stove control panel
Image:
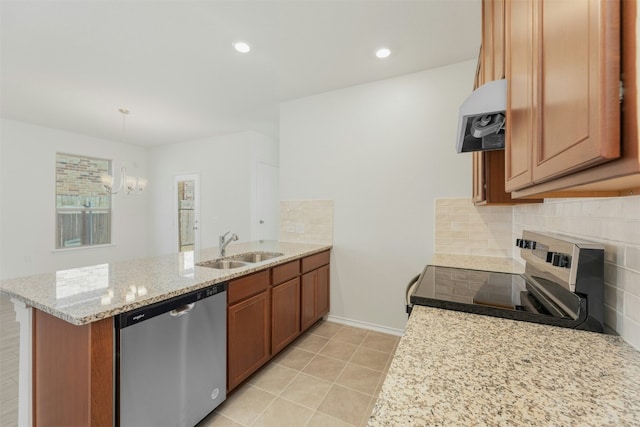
542	251
555	257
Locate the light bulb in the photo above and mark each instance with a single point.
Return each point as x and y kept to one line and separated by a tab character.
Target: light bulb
131	183
142	184
242	47
107	180
383	52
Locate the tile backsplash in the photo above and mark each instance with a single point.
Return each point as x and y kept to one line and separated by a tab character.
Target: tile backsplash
462	228
465	229
306	221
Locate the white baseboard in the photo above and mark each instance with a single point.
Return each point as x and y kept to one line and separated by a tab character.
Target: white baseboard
365	325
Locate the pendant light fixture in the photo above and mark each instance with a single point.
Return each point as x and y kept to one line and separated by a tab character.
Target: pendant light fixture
132	184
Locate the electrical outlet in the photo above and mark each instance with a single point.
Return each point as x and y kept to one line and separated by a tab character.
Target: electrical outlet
299	228
290	229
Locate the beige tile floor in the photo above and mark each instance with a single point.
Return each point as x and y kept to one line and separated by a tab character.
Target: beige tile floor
328	377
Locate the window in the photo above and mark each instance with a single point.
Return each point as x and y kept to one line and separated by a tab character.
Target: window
83	207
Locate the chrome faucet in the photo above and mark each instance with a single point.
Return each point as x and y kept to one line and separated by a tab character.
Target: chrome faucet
223	242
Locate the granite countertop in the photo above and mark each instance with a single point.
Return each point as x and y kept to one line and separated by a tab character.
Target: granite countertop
460	369
86	294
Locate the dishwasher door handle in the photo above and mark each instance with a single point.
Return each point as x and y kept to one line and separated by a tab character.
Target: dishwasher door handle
182	310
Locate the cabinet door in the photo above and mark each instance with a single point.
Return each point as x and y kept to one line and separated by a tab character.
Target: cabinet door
308	313
248	342
520	125
322	291
489	166
498	39
492	40
479	194
578	75
285	309
487	42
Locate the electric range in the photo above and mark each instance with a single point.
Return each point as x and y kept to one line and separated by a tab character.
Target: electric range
563	285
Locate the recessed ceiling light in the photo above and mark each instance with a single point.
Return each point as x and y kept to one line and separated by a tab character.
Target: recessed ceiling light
242	47
383	52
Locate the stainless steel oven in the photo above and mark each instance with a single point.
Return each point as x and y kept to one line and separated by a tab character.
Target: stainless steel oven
563	285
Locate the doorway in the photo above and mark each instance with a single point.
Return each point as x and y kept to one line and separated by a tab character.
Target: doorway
267	209
187	209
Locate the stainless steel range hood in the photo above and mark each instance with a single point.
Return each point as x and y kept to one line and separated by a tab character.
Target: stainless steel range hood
482	117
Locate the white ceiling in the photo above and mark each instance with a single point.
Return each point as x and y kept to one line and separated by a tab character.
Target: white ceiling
72	64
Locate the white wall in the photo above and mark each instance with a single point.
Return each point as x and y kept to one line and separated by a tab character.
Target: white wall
382	152
27	222
226	167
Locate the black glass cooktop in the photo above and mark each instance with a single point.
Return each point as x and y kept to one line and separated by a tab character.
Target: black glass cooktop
511	296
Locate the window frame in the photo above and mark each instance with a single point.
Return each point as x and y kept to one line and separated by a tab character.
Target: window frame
84	209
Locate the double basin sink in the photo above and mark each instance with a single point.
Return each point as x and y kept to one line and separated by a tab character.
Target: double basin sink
239	260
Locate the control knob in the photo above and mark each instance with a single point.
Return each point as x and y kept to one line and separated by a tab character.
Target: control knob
525	244
560	260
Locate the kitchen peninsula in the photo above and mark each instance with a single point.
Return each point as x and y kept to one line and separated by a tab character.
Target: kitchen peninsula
70	313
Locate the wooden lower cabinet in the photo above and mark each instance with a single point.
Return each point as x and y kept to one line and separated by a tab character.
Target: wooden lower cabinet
72	372
269	309
248	340
314	300
285	309
322	291
308	313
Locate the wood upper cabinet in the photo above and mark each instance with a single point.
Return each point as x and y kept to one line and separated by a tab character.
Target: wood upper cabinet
492	40
520	125
563	73
248	326
489	166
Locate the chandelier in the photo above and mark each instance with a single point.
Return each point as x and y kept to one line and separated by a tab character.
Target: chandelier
132	184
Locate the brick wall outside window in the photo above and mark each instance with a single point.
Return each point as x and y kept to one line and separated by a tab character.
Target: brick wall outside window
83	207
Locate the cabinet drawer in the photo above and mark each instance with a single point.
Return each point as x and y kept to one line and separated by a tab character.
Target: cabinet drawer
314	261
247	286
284	272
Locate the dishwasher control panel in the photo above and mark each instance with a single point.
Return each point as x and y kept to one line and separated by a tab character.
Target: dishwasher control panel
152	310
212	290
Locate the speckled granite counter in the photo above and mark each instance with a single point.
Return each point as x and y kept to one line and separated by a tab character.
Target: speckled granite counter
460	369
84	295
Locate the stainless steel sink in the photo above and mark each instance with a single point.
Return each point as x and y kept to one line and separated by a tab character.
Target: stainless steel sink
254	256
239	260
224	264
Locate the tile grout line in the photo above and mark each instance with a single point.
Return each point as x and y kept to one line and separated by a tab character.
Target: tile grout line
289	383
358	347
313	412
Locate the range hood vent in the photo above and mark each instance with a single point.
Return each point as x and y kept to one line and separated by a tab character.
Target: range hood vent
482	117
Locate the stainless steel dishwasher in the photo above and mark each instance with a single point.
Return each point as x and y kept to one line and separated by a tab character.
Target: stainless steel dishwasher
171	360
